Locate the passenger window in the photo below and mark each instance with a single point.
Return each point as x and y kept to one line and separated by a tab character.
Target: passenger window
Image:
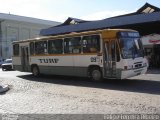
16	49
41	47
32	48
91	44
72	45
55	46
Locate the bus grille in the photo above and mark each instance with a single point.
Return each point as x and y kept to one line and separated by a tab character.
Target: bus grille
138	65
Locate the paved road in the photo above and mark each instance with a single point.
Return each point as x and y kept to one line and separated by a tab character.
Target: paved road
72	95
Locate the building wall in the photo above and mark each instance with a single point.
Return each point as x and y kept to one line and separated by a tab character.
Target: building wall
151	45
12	30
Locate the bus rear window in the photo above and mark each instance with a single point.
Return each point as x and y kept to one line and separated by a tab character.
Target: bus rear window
16	49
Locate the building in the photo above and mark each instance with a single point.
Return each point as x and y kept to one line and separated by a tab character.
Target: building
151	44
146	20
13	28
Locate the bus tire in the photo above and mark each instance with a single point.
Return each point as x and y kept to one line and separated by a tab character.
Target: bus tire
35	71
96	74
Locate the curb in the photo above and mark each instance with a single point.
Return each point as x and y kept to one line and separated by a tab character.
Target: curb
4	88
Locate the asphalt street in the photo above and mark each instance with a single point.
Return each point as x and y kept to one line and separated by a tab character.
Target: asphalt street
73	95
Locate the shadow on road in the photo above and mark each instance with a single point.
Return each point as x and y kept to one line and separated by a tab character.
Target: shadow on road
139	86
153	71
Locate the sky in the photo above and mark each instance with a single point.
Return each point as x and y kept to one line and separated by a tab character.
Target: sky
60	10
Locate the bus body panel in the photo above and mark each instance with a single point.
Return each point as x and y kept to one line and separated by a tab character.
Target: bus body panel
79	64
76	65
131	73
16	60
132	67
17	65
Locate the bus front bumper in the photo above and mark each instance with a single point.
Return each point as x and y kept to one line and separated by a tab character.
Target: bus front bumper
133	72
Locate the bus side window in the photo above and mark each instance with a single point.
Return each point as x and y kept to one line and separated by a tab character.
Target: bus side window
55	46
72	45
41	47
91	44
32	48
16	49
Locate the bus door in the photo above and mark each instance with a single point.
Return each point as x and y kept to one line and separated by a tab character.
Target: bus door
25	58
110	58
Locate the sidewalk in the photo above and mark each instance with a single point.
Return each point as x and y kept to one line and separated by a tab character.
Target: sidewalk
3	88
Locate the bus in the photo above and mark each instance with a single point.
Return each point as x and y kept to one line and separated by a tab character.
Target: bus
98	54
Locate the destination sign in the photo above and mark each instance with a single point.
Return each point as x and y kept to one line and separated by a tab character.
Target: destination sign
128	34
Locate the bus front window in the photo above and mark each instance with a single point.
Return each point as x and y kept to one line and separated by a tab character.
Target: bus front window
131	47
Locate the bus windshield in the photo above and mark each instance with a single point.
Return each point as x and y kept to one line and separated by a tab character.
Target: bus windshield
131	47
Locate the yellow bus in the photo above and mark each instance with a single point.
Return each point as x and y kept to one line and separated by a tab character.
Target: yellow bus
107	53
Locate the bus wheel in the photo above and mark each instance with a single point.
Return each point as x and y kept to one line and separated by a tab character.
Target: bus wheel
35	71
96	74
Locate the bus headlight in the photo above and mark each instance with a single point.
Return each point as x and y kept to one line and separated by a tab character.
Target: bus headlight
145	64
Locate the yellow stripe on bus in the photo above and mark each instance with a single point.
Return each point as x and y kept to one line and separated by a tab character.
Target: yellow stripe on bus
65	54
